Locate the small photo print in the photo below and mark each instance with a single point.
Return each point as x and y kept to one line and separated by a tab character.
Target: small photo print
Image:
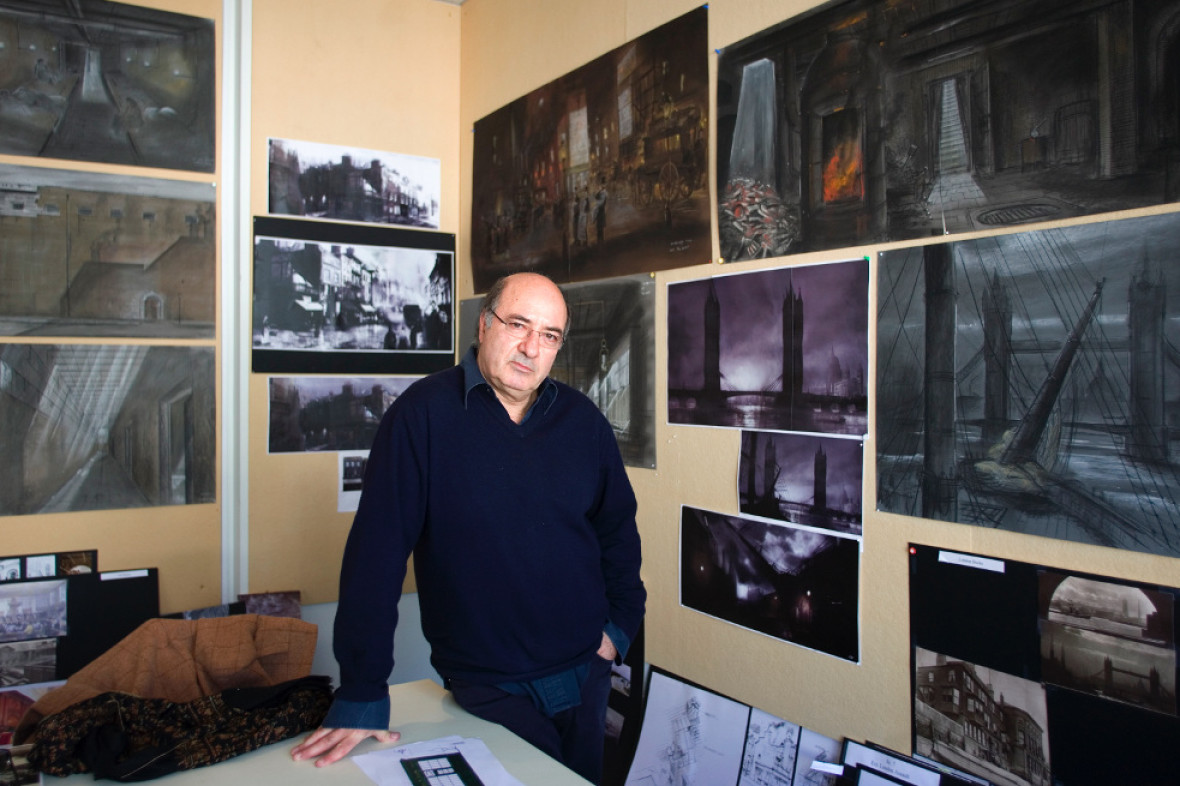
1109	639
952	695
32	610
28	662
74	563
41	566
274	604
10	569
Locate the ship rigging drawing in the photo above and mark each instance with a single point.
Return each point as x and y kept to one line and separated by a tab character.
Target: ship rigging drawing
1031	382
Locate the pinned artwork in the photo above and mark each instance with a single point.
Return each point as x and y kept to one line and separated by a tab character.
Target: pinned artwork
865	122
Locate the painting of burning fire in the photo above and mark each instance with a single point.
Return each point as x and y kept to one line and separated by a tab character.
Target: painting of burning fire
865	122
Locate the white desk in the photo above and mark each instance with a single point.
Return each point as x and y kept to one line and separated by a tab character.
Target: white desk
421	711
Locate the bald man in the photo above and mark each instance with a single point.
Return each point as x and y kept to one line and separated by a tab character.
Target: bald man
508	489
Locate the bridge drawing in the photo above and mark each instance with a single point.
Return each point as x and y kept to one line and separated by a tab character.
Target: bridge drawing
1031	382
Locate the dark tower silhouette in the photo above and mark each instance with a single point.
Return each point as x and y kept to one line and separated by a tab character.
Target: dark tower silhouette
712	387
997	356
751	489
939	474
1145	317
821	480
793	347
769	469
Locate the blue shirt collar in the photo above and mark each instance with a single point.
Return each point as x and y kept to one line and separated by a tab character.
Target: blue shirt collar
473	378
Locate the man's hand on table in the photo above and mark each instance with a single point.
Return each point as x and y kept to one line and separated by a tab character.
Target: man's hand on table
330	745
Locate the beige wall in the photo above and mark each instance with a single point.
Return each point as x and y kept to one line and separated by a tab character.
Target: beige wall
510	47
374	75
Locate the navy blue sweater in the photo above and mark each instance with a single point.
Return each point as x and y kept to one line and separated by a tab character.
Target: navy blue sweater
523	536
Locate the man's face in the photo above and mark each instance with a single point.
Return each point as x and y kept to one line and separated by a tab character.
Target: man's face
516	367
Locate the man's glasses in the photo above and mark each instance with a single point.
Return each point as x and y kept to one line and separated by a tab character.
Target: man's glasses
550	339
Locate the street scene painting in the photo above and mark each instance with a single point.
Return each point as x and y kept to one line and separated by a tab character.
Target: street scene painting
309	414
341	298
603	171
317	180
1027	382
866	122
777	350
780	580
609	354
87	254
805	479
91	80
146	436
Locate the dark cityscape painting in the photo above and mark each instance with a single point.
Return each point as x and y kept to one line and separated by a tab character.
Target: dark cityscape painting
145	437
91	80
603	171
329	413
88	254
802	478
780	350
790	583
865	121
332	297
351	184
1028	382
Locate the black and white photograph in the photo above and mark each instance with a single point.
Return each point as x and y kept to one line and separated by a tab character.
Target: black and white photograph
779	350
980	719
342	298
998	616
802	478
318	180
11	569
26	662
329	413
609	354
860	121
92	80
603	171
1113	640
41	566
93	255
33	610
793	584
146	437
1026	382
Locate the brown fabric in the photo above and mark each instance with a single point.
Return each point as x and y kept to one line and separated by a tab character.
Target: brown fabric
184	660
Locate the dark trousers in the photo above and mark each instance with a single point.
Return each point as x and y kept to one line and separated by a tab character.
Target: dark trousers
574	737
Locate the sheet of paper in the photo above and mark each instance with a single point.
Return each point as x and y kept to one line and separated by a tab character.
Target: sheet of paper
384	767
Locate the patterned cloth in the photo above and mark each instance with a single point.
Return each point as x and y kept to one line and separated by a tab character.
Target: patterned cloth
183	660
123	737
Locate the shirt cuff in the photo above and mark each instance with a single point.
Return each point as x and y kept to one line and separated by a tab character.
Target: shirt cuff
345	714
621	641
